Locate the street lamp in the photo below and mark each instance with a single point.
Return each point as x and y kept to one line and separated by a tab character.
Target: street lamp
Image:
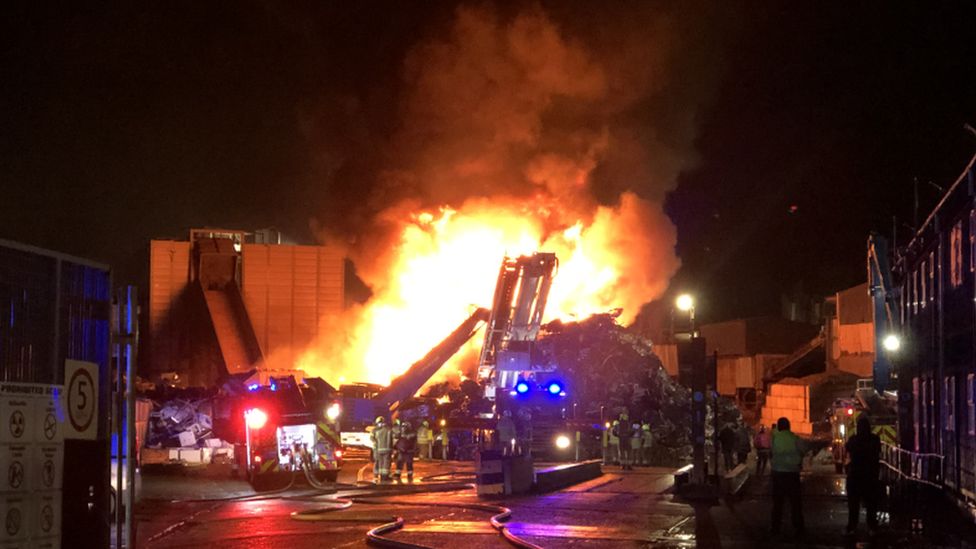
686	303
891	343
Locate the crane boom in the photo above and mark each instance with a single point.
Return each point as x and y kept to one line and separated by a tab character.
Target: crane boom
884	301
520	300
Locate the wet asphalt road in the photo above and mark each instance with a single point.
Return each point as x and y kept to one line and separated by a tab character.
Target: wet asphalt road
619	509
615	510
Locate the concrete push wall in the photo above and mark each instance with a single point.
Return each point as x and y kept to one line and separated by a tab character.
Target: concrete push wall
169	275
288	292
791	401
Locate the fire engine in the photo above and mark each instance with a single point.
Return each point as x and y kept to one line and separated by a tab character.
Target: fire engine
290	428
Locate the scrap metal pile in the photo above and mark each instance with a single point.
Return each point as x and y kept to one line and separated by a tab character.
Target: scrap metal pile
605	365
608	369
181	423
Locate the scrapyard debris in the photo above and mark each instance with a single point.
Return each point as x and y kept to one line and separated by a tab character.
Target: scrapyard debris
181	424
606	367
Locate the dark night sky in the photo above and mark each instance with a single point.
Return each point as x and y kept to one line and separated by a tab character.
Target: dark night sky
127	123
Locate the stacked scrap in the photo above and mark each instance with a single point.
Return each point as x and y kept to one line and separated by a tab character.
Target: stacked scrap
606	366
180	424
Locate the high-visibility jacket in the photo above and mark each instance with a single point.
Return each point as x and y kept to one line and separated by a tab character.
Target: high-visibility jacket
788	450
382	438
635	436
648	438
424	435
614	439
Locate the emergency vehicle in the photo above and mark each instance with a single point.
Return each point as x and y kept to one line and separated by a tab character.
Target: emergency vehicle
290	428
844	414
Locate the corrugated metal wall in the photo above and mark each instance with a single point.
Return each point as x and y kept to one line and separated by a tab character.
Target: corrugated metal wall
55	307
288	291
169	274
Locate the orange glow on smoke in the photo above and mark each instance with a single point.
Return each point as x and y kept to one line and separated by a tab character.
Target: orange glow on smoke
445	263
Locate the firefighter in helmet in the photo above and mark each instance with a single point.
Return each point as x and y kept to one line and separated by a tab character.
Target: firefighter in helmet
647	441
624	431
425	440
382	439
406	447
614	443
507	433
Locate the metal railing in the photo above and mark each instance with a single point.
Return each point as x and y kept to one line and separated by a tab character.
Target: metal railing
917	467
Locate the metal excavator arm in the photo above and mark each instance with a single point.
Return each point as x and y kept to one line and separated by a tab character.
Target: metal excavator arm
406	385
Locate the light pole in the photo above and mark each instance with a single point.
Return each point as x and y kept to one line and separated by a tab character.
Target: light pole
686	303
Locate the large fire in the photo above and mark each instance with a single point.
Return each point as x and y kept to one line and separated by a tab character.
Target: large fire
444	263
540	140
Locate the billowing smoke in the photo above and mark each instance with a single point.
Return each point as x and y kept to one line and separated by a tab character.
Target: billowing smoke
515	122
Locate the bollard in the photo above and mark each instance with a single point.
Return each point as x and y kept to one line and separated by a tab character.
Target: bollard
577	445
490	473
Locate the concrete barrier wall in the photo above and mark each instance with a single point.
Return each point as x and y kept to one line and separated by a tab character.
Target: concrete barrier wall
790	401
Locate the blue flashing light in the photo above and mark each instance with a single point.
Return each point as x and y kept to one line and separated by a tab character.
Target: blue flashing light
555	388
274	387
521	387
252	387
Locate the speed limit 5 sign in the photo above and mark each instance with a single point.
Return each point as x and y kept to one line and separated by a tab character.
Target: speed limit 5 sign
80	400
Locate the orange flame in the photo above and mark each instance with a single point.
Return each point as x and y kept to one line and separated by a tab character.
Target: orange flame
444	263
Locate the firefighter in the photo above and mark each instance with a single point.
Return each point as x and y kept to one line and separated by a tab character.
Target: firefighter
425	440
506	433
635	444
395	434
624	434
614	442
382	439
605	442
524	429
647	440
444	440
406	446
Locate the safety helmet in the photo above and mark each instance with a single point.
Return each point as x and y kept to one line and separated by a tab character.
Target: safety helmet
616	423
646	427
624	417
379	420
425	424
396	421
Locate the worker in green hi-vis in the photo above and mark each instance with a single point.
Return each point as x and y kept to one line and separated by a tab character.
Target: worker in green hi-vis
788	452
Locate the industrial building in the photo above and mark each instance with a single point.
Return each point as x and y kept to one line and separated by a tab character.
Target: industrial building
227	301
935	278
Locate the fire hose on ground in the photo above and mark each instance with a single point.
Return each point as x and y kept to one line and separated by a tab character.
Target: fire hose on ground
375	536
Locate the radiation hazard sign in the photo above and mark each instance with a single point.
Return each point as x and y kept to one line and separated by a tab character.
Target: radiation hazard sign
33	423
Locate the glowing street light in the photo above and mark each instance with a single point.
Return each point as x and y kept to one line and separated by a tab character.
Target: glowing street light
686	304
891	343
